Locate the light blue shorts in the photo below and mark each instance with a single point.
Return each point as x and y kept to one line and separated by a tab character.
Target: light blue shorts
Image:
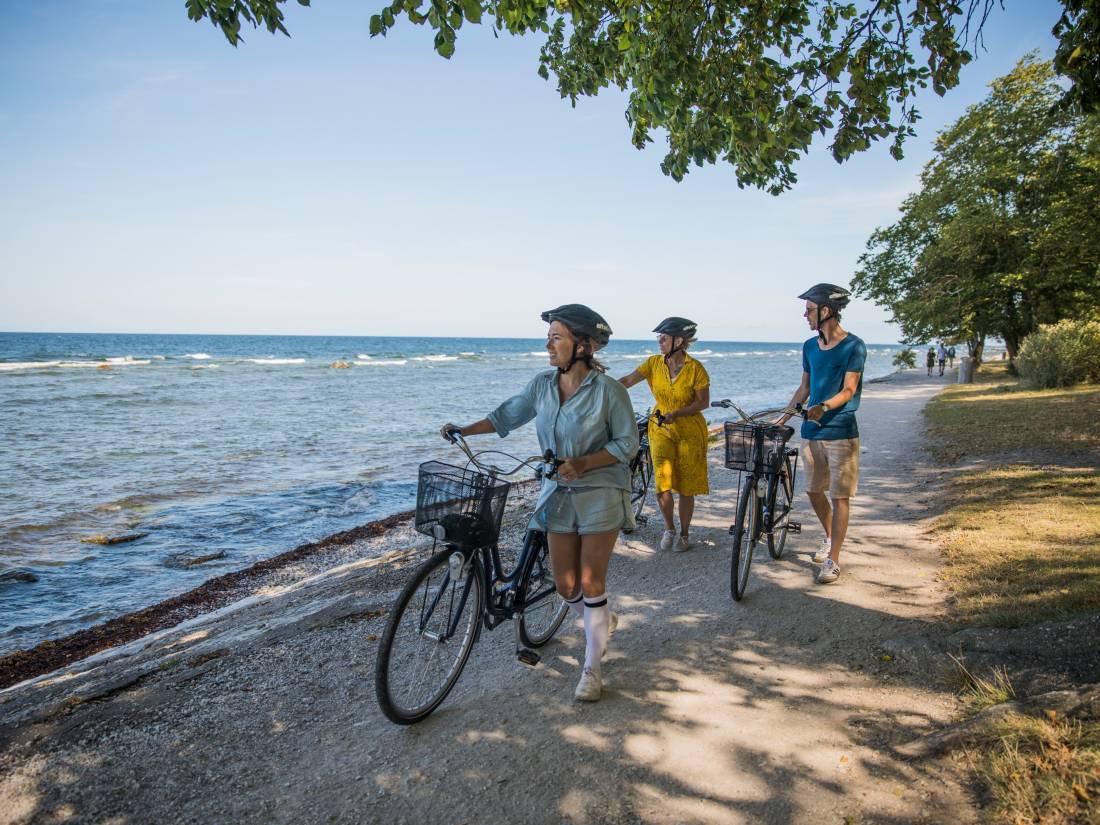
585	510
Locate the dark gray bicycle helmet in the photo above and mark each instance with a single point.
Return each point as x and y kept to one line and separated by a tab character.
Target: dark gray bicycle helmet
834	297
677	327
582	322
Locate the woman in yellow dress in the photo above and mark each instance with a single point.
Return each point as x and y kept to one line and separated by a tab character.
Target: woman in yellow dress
681	387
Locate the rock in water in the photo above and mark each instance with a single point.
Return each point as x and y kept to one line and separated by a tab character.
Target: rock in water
192	559
18	576
341	365
102	539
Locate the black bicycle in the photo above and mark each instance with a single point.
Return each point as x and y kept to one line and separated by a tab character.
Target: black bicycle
641	467
438	616
757	449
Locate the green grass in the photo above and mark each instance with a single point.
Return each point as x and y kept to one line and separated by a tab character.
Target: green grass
1021	534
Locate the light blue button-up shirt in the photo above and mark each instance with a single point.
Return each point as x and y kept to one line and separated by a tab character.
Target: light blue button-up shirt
598	416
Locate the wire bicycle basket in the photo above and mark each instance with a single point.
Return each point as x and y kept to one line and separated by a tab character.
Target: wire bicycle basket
758	448
460	506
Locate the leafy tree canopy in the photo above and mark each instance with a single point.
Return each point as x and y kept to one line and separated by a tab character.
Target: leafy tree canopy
747	82
1004	233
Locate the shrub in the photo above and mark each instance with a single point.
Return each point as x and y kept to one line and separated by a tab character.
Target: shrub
1061	354
906	359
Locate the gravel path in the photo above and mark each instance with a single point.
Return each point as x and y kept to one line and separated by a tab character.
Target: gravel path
786	707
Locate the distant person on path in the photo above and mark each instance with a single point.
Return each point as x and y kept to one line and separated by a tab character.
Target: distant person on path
941	354
951	356
832	381
586	418
931	359
681	388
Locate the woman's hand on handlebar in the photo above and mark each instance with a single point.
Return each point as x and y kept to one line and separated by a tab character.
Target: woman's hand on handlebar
449	431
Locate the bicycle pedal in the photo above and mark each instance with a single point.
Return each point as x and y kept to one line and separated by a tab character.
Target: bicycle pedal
794	526
528	657
641	520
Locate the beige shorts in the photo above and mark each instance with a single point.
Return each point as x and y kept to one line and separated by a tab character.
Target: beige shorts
831	466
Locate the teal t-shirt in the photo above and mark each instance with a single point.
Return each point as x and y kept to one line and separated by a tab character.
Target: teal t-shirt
827	368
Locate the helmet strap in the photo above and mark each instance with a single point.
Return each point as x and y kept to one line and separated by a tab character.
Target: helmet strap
820	330
573	358
674	349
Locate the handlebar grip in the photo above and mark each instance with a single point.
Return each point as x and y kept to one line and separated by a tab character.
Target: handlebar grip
453	434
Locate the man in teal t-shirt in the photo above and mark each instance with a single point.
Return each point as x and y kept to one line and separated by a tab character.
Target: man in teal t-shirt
832	381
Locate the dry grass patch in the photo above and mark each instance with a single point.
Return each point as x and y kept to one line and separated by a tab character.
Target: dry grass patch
1041	770
995	415
1023	544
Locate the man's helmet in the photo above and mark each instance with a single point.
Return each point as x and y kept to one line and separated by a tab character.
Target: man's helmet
677	328
581	321
828	295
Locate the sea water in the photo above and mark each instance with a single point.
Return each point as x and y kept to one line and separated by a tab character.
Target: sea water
247	446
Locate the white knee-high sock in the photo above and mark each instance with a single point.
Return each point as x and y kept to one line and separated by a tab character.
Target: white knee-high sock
597	627
577	605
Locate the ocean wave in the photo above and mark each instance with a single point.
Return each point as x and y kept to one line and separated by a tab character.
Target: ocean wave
363	357
126	361
435	358
267	361
704	352
197	356
393	362
205	366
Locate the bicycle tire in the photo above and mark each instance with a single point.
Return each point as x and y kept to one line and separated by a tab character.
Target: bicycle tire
745	533
640	479
453	606
539	623
777	538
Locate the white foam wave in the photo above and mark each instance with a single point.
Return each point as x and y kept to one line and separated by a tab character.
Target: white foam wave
704	352
205	366
436	358
28	365
198	356
158	357
467	353
127	361
392	362
363	357
267	361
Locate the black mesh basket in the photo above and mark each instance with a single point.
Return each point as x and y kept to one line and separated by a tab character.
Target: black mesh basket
755	447
460	506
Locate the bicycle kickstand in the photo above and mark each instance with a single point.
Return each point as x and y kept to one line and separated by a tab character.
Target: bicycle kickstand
525	655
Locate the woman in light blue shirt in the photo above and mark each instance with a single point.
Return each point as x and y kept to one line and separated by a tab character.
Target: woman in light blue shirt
586	418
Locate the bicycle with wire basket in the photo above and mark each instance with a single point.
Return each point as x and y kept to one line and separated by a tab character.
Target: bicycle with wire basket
641	466
757	450
463	587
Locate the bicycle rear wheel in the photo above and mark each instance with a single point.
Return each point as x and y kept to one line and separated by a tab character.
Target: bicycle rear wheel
543	609
428	638
745	532
784	501
640	479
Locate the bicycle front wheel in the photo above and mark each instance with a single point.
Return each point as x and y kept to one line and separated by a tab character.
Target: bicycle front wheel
784	498
543	609
745	532
428	638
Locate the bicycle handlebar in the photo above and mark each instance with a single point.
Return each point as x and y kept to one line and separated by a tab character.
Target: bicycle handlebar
797	409
548	458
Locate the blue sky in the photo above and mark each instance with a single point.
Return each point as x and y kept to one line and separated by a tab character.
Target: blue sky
157	180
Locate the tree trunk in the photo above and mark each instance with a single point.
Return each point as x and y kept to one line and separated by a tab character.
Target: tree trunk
975	346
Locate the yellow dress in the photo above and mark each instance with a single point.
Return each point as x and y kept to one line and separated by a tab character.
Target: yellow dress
679	449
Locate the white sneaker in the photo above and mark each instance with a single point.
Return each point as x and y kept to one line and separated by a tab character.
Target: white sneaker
828	573
667	538
822	552
589	687
682	544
